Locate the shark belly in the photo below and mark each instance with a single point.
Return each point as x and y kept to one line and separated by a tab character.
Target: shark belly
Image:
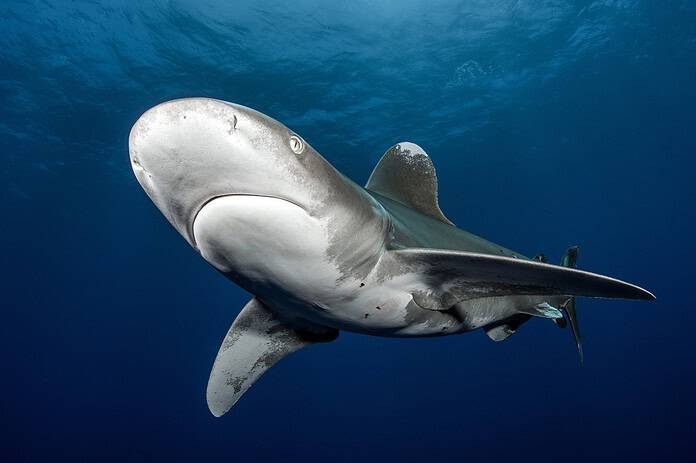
270	246
276	250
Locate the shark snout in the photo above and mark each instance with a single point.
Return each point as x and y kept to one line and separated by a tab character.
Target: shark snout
185	153
190	151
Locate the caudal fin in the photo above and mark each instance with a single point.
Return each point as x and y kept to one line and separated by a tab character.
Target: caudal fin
570	314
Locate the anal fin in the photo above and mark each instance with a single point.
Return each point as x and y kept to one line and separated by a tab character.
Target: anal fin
499	332
256	341
503	330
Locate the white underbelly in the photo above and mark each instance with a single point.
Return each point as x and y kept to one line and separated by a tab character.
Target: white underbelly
275	249
268	241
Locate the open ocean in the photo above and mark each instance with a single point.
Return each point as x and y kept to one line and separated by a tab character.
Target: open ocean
552	123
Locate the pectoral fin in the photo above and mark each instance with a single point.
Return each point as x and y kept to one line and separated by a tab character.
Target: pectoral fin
256	340
443	277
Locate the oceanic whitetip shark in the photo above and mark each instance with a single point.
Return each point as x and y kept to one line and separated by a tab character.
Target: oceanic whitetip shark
320	254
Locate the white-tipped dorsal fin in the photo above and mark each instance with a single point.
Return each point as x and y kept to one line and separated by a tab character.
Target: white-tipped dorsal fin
406	174
256	340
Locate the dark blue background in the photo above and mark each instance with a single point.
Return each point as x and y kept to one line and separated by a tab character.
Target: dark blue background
552	123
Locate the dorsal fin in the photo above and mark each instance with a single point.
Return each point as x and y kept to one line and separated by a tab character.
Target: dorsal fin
407	175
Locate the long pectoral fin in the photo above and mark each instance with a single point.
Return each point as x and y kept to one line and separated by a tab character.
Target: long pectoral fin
256	340
442	277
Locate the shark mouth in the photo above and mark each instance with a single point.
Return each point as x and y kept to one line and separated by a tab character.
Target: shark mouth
192	222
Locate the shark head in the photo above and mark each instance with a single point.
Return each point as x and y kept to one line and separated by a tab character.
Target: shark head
188	152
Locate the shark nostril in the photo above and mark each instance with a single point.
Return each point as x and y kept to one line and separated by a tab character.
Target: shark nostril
137	167
233	124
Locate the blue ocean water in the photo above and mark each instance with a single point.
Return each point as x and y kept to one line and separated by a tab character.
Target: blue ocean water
551	122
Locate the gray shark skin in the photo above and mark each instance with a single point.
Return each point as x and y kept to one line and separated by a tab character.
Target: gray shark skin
321	254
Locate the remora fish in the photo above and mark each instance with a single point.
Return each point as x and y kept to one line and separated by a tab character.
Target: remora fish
321	254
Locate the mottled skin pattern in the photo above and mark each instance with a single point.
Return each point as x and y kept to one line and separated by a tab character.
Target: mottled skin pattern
321	253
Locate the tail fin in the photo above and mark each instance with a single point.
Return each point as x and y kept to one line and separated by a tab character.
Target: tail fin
570	260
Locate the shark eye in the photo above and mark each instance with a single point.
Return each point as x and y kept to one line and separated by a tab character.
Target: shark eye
296	144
